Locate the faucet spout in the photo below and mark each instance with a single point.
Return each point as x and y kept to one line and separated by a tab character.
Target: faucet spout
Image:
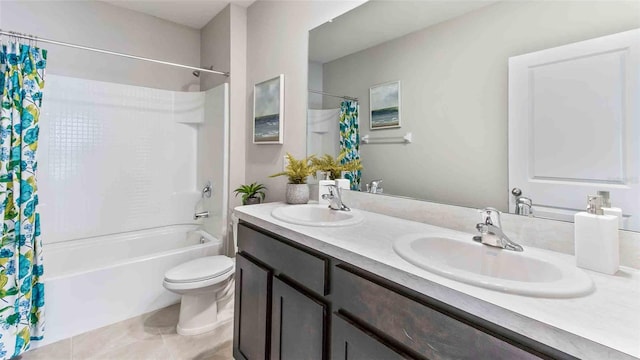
492	235
201	215
335	199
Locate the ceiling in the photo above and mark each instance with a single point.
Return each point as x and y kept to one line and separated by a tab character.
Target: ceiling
377	22
192	13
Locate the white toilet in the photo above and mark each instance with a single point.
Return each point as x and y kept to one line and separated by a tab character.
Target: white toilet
205	284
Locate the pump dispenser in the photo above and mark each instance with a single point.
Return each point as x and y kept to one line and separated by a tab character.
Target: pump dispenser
596	238
607	209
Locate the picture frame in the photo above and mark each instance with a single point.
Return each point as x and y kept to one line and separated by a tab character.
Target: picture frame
385	106
268	111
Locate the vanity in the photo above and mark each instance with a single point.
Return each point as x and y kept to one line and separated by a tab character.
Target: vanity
305	292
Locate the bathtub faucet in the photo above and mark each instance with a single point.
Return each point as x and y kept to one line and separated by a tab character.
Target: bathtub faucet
201	215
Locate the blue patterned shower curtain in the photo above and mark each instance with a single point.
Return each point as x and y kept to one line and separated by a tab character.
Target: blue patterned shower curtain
350	138
21	287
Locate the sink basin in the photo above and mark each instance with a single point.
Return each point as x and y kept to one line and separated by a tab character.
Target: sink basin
532	272
316	215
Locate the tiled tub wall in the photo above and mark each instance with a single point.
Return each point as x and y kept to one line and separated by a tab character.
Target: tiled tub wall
536	232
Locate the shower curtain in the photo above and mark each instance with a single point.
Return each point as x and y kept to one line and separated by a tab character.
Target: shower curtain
21	288
350	138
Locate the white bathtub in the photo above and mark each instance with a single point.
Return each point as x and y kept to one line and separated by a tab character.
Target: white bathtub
90	283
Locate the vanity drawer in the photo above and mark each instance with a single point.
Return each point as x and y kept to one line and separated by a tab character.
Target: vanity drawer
299	265
425	331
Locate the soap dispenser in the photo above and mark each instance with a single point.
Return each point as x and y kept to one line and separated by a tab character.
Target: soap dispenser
607	209
596	238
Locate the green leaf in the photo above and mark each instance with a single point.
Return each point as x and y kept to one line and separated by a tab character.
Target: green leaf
13	319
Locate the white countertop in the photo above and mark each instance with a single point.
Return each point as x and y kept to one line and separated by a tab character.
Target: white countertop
609	316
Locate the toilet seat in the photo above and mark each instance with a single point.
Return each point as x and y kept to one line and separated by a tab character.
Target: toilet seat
198	273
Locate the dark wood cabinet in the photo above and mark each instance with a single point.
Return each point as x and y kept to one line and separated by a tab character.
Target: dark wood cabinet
279	309
294	303
297	324
252	310
350	342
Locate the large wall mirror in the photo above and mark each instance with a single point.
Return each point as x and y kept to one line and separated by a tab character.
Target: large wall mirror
461	102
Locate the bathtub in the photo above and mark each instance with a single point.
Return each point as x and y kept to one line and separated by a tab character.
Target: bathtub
90	283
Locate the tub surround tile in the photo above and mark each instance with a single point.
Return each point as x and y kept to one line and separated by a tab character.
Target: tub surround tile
541	233
604	324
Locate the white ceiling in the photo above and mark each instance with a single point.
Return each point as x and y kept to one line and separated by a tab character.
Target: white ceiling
376	22
192	13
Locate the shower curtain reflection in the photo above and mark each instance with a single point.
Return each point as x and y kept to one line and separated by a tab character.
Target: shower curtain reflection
22	70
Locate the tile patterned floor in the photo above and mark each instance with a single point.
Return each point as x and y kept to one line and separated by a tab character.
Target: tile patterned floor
150	336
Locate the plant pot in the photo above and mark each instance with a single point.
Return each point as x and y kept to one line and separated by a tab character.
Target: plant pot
297	194
251	201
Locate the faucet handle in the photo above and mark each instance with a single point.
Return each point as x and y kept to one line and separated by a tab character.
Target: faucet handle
491	216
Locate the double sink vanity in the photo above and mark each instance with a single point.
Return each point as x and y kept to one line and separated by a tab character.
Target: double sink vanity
316	283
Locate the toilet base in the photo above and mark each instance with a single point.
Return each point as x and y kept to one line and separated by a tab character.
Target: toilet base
199	312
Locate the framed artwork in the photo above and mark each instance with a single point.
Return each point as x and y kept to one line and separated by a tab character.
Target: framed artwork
384	104
268	111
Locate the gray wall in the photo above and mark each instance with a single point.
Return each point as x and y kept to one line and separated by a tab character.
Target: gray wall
238	100
454	93
215	48
224	46
102	25
277	43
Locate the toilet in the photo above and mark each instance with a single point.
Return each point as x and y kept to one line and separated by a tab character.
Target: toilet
205	285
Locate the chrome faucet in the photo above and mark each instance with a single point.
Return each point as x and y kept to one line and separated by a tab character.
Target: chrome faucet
524	205
201	215
335	198
491	231
374	187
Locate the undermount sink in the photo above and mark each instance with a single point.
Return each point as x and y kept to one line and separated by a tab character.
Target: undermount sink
316	215
532	272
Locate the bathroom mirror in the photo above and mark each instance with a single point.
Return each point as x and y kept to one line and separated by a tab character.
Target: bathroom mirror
466	70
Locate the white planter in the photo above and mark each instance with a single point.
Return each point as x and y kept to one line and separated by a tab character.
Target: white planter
297	194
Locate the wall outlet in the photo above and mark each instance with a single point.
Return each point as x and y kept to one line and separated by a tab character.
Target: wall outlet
285	163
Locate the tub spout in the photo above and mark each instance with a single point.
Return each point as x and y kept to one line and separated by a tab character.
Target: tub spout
200	215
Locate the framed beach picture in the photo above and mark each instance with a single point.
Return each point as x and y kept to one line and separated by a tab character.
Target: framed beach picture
268	111
384	102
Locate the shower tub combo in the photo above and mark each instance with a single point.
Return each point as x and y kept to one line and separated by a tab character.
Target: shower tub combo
94	282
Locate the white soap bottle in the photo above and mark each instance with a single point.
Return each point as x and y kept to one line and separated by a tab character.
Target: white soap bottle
596	238
607	209
344	184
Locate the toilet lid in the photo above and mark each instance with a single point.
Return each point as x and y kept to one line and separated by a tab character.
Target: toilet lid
200	269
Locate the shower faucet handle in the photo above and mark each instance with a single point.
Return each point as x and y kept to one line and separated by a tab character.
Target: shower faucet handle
207	190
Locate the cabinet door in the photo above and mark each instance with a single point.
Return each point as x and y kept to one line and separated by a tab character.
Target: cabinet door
252	305
350	343
298	324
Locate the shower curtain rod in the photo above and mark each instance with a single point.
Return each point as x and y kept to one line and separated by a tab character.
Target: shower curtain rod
39	39
332	95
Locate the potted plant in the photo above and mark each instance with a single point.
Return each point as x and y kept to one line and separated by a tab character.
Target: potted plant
333	166
297	171
252	193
